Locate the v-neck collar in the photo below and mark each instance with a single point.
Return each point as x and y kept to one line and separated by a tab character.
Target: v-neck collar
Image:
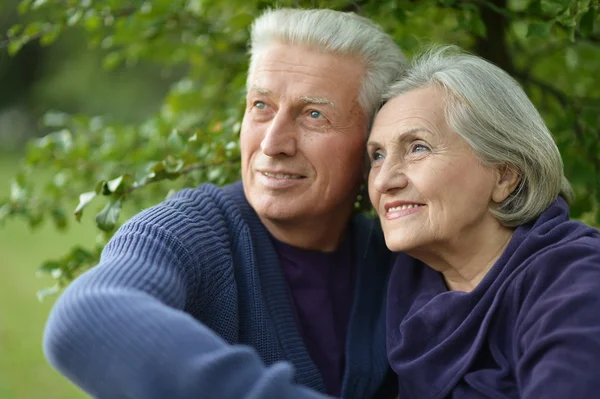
365	346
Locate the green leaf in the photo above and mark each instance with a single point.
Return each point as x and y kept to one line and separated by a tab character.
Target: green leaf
112	60
23	6
49	266
50	36
5	210
107	218
102	188
16	44
539	29
17	193
176	141
477	26
74	18
38	3
14	31
554	7
46	292
586	24
84	200
120	184
60	218
195	7
173	165
92	21
34	28
55	119
113	185
571	58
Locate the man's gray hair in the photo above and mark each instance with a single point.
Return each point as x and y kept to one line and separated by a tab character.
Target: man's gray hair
336	32
492	113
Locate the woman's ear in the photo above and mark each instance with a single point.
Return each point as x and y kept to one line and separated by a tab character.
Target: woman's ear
507	181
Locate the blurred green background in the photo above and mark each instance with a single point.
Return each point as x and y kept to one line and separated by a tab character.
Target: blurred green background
24	372
66	76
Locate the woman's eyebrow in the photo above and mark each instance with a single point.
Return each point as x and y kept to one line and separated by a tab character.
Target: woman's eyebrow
402	134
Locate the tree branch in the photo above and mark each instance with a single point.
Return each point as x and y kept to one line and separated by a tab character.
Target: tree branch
119	13
182	172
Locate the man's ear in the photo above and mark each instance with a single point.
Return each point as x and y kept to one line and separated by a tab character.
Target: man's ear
508	178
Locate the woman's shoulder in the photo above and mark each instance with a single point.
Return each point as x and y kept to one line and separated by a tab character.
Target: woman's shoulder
562	280
570	249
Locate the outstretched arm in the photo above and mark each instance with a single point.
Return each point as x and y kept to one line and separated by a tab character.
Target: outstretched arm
120	330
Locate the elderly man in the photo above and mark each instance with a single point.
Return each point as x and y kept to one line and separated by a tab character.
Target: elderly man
263	288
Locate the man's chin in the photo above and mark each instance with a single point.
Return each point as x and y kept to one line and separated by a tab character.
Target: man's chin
277	210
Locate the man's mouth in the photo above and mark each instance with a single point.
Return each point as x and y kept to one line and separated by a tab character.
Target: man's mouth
285	176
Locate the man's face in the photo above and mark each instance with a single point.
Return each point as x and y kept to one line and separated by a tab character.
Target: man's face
303	135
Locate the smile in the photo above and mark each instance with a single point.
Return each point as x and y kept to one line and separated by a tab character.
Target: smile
402	207
281	175
396	212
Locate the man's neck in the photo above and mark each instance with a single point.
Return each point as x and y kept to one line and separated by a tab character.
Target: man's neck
318	234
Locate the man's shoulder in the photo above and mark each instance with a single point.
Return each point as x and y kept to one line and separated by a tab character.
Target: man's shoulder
206	210
192	204
205	195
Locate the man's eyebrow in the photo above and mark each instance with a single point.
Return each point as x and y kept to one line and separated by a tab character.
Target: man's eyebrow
317	100
305	99
260	90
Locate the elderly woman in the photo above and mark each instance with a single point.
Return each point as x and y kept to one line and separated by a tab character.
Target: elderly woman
502	296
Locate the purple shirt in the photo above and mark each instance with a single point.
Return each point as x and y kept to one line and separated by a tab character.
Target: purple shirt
321	286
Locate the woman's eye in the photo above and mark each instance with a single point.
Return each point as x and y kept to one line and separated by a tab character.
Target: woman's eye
376	156
420	148
315	114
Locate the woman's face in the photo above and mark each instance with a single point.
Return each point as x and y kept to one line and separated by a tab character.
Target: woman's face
429	189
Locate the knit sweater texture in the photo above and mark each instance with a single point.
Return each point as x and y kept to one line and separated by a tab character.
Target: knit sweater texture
188	301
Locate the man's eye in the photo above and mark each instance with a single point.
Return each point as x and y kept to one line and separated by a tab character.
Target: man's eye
260	105
315	114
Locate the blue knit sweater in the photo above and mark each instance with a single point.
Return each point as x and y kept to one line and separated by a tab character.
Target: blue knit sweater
182	281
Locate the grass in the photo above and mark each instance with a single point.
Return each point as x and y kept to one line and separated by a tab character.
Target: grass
24	372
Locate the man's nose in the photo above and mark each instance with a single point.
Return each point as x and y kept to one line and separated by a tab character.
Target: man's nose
281	136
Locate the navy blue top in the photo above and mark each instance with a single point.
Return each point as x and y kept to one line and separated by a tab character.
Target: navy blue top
530	329
321	291
189	301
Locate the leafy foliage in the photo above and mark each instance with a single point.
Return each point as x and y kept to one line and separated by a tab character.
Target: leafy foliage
551	46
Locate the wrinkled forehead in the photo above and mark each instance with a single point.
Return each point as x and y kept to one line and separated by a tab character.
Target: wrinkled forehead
421	107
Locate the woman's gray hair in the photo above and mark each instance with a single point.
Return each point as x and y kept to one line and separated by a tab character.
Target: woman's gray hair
342	33
492	113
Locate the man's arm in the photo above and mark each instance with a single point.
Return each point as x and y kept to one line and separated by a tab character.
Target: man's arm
559	334
120	330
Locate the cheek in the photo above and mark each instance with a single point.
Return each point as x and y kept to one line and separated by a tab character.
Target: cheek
373	194
249	137
341	161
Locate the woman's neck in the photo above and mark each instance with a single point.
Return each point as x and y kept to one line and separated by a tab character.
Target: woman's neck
466	260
